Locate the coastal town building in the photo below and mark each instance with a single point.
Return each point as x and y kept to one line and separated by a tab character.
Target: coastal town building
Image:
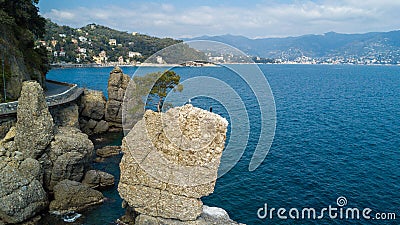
112	42
54	43
134	54
159	60
102	58
82	39
81	50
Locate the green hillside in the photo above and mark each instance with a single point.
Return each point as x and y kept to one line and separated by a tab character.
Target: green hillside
99	44
20	25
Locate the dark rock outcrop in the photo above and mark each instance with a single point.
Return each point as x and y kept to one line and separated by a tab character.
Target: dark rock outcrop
93	104
117	84
21	193
35	127
98	179
108	151
101	127
66	115
63	152
6	124
67	157
41	152
73	196
92	110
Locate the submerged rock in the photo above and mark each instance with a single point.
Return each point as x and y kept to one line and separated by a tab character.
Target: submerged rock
108	151
34	128
171	160
73	196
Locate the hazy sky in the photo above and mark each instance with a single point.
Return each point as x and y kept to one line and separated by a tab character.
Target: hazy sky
253	18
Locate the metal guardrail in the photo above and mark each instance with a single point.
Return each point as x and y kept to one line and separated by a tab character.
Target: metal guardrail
67	96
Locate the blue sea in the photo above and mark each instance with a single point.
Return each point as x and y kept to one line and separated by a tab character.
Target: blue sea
337	137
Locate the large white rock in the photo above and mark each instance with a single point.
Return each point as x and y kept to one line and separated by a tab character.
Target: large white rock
171	160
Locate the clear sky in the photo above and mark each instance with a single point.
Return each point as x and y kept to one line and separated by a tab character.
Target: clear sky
252	18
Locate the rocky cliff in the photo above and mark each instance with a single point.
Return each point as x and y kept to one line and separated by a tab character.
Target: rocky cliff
22	195
22	62
36	155
98	115
170	161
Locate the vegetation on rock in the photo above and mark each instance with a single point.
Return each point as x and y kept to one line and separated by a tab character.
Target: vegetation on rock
20	25
157	86
99	44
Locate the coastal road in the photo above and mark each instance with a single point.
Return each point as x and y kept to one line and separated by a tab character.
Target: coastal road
55	88
56	93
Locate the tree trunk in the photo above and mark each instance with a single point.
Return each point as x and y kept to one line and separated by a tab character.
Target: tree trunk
159	105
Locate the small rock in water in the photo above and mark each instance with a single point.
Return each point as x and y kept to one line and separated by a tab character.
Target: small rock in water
108	151
98	160
71	217
215	212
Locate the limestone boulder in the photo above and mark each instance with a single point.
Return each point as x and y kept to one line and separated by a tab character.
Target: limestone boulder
5	125
91	124
34	127
170	161
73	196
158	203
10	135
93	104
32	168
101	127
114	111
67	156
70	165
117	85
66	115
21	194
210	215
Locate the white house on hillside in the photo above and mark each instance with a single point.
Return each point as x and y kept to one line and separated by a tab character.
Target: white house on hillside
134	54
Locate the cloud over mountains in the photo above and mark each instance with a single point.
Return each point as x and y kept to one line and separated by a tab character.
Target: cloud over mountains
258	19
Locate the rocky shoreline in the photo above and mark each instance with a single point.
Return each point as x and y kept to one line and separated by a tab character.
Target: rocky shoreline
46	158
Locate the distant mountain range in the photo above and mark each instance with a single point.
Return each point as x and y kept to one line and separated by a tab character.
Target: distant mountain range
376	47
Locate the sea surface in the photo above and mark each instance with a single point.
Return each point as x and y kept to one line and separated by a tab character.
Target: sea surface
337	135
